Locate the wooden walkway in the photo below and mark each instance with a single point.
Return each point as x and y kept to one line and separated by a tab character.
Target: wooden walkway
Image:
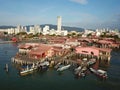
5	42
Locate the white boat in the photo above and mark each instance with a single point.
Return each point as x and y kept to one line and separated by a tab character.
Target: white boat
82	72
63	67
58	65
93	70
45	63
28	70
91	62
77	70
6	67
100	73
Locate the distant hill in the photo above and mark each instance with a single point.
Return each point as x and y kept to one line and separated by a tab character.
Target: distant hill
50	25
6	27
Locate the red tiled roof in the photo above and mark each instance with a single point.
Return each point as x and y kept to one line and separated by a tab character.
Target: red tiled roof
42	48
71	40
24	46
36	52
105	42
101	49
57	49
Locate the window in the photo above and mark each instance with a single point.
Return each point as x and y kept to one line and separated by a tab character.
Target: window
85	51
92	53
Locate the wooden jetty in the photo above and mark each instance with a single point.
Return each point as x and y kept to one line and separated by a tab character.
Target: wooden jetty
5	42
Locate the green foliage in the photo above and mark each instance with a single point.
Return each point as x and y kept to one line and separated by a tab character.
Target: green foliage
30	35
5	32
89	34
22	33
53	35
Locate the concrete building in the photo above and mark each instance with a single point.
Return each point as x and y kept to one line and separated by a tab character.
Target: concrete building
59	27
34	30
20	29
46	30
37	29
52	32
11	31
3	30
59	23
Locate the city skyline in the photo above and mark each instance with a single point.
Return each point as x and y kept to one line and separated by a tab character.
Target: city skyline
78	13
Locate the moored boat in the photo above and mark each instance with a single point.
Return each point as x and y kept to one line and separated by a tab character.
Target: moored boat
100	73
6	67
28	70
81	72
45	63
91	62
77	70
63	67
57	65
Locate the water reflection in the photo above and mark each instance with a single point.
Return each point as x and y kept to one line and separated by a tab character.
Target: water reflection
104	64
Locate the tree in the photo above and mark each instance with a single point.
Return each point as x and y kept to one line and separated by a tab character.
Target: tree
5	32
30	35
89	34
79	35
22	33
73	34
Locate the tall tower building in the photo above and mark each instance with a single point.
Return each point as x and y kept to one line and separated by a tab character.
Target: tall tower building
19	28
59	23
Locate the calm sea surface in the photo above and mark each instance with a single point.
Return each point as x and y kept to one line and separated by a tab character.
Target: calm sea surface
51	80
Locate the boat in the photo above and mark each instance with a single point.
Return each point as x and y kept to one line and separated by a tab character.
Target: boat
93	70
91	62
58	65
6	67
100	73
81	72
77	70
45	63
28	70
63	67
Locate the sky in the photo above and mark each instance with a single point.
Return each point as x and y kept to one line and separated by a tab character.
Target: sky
89	14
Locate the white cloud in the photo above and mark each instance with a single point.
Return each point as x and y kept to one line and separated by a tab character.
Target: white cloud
80	1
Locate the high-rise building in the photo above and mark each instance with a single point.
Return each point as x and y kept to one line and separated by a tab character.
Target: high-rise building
18	28
59	23
36	29
46	30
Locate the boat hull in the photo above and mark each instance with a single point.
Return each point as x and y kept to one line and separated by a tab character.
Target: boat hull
26	72
63	68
